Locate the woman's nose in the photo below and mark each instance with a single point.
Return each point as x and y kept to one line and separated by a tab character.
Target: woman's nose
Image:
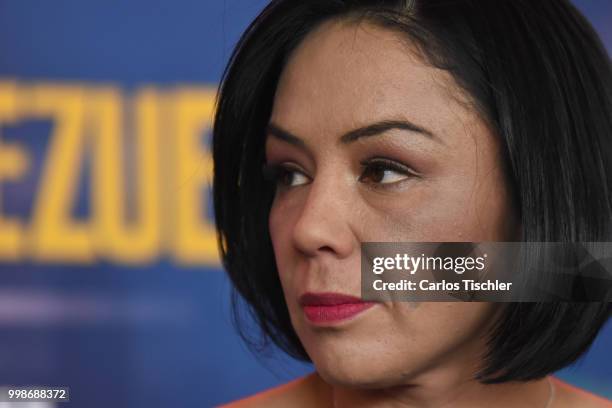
324	224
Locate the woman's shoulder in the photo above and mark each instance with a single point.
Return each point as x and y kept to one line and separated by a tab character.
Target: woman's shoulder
307	391
571	397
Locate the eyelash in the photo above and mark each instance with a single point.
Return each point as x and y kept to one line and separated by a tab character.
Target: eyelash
276	172
384	164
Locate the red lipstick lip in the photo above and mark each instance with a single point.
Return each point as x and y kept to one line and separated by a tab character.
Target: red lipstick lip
327	299
328	307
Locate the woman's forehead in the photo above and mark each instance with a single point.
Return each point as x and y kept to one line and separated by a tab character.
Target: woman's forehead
345	75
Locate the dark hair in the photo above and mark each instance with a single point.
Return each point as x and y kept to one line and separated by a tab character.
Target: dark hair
538	75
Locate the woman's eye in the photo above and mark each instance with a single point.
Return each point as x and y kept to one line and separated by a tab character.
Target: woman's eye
384	171
285	175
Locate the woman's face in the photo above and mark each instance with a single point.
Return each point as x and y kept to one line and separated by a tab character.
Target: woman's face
428	171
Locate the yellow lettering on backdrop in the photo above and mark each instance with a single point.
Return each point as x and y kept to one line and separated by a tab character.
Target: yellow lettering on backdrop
195	240
14	164
150	158
55	236
137	240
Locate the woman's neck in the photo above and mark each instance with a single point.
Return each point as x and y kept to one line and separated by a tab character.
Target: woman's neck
436	391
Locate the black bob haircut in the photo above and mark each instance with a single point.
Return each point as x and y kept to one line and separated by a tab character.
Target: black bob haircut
537	73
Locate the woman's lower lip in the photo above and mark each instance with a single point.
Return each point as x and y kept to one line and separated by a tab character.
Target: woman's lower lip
334	313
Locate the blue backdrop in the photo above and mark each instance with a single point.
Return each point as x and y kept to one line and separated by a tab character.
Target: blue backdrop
109	283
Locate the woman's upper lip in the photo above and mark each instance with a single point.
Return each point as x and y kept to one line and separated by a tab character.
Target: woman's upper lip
327	299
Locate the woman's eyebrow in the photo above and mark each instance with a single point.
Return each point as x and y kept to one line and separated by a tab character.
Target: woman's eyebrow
373	129
377	128
284	135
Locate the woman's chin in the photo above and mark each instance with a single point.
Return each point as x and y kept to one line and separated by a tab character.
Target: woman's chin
351	380
359	372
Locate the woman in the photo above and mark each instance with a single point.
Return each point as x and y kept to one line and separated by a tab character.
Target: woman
341	122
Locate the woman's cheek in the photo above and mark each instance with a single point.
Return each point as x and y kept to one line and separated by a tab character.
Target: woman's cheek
447	208
421	213
281	221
